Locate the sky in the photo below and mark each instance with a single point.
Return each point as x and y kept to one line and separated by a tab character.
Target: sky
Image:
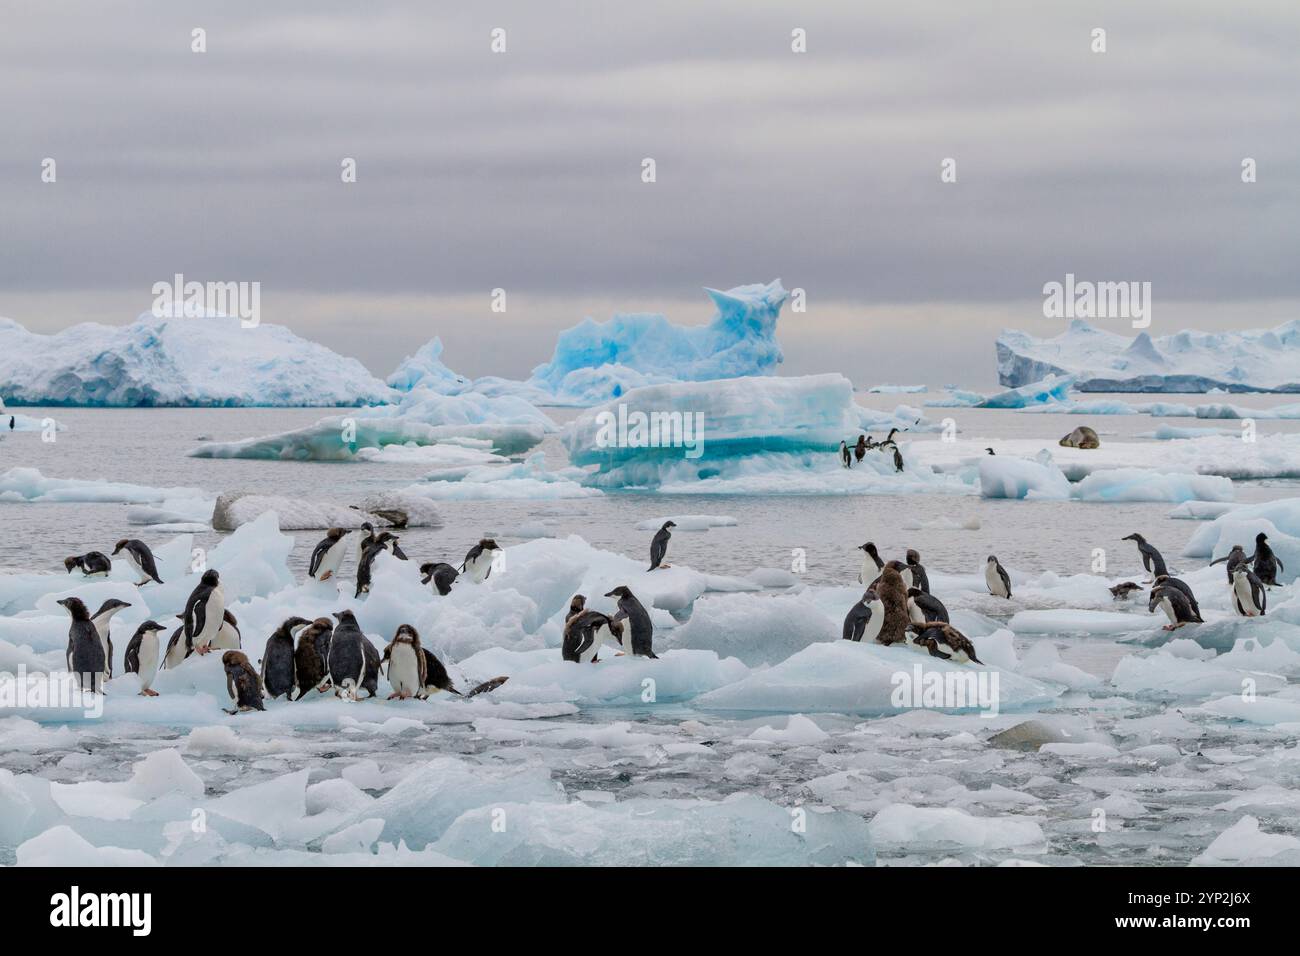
522	169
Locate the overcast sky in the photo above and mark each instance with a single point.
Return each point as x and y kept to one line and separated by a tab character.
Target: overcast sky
522	170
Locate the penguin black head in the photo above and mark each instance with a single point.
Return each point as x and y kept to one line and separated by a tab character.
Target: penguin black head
1156	595
989	450
993	559
292	624
1133	537
77	608
346	617
913	556
210	578
489	544
120	545
670	524
149	626
367	527
619	592
70	563
112	604
869	547
1261	538
426	571
898	566
914	592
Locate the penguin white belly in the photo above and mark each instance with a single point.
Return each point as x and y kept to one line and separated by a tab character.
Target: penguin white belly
914	613
175	654
480	567
102	633
135	565
868	572
404	670
148	659
872	630
1245	600
600	636
332	560
994	581
227	638
1168	607
906	575
213	619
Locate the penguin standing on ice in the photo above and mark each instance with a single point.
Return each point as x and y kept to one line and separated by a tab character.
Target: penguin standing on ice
242	683
872	565
441	574
846	456
353	661
102	619
640	630
85	654
478	560
997	579
919	578
140	558
1266	563
93	564
659	545
1175	605
1151	558
1178	584
864	620
327	557
893	596
369	551
860	449
310	657
944	640
143	656
1235	559
925	608
1248	594
388	541
405	658
277	659
205	613
585	632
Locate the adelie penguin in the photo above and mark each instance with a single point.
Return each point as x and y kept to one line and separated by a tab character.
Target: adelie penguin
944	640
441	574
228	637
278	672
143	655
1235	558
639	633
205	613
659	545
140	558
85	654
353	661
407	668
102	620
846	456
924	608
1266	563
996	577
93	564
865	618
586	631
1151	559
1178	584
1248	594
327	557
478	560
242	683
311	656
1175	605
1122	592
919	578
872	565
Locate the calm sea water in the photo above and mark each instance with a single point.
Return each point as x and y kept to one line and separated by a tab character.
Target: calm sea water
149	446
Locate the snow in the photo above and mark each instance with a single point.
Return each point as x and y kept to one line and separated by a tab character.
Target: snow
1187	361
178	361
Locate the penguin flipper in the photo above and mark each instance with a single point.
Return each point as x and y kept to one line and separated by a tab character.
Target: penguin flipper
484	687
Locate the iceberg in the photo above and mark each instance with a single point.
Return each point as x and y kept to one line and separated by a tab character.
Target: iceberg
1261	360
1050	391
597	361
425	369
187	361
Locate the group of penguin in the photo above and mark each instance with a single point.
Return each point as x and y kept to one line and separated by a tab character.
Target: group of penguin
865	444
1249	576
327	557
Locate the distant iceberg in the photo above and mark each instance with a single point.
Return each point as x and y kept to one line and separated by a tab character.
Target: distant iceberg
1249	361
425	369
1051	391
211	361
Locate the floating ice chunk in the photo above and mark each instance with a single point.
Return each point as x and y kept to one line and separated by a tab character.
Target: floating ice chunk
1051	390
688	522
1081	621
798	731
742	829
358	838
525	479
1201	510
62	846
756	628
295	514
211	361
905	827
1245	842
1001	476
956	398
28	484
1074	752
773	577
1164	675
271	807
1140	484
897	389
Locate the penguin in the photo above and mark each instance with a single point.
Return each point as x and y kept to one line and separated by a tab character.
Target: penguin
996	577
142	656
1266	563
846	457
277	662
205	613
903	571
228	637
327	557
581	647
1121	592
93	564
85	653
310	671
353	662
1166	580
407	667
640	630
1151	559
659	545
442	575
898	459
139	557
366	540
102	619
1175	605
893	596
242	683
1235	558
872	565
369	552
1248	594
937	635
388	541
919	578
860	449
865	618
923	608
179	648
478	560
990	451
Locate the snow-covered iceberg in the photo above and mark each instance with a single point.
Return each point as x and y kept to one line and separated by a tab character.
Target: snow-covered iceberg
1262	360
1052	390
425	369
210	361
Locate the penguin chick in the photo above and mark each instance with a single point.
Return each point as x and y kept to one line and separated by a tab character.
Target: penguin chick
242	683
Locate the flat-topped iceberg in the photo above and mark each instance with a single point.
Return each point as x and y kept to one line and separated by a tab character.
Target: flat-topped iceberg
208	361
1261	360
